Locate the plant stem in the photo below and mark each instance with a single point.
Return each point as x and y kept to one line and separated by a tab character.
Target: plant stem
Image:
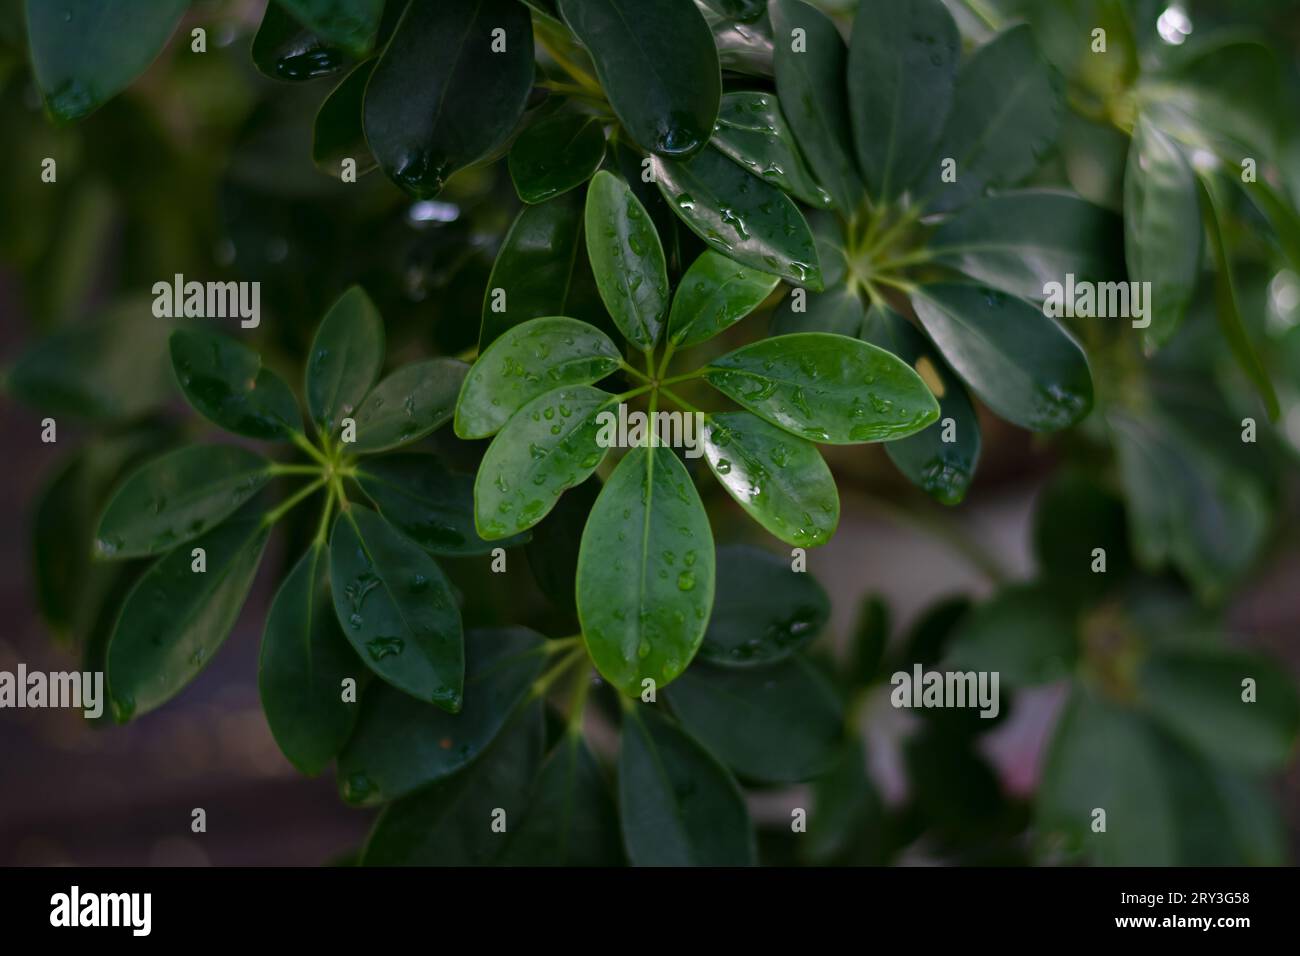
271	517
301	441
543	683
681	378
902	284
634	393
680	402
563	643
668	354
635	373
322	530
278	469
578	705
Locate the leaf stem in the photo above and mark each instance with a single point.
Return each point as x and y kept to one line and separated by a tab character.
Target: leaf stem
681	378
560	644
680	402
902	284
322	530
543	683
271	517
578	705
278	469
634	393
299	439
668	355
635	373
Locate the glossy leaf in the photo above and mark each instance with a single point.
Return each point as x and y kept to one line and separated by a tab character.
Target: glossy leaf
753	131
741	217
826	388
838	310
533	268
409	404
627	260
553	550
350	23
645	572
174	619
337	133
810	84
529	360
82	58
742	47
780	480
177	497
1026	633
1162	227
346	357
678	806
226	384
556	154
1021	363
285	49
901	67
938	461
440	98
432	506
1005	115
776	724
1021	241
402	744
304	661
549	445
397	608
713	295
657	65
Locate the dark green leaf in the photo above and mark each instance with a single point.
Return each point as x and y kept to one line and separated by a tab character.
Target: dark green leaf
838	311
645	572
827	388
1021	363
902	63
678	805
528	360
304	661
1025	633
869	641
226	384
175	618
752	130
553	551
742	10
780	480
627	260
743	47
350	23
741	217
285	49
396	608
345	360
658	66
1074	517
440	98
714	294
534	267
177	497
928	638
83	57
810	83
409	404
337	134
845	807
555	154
402	743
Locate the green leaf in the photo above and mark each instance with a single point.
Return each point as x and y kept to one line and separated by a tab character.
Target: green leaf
337	133
1025	633
557	153
776	724
175	618
939	462
845	807
869	640
440	98
1284	219
397	608
571	819
304	661
780	480
527	361
432	506
1005	115
742	47
827	388
450	822
226	384
627	260
810	83
346	357
350	23
1020	241
747	220
645	572
402	744
752	131
763	611
409	404
742	10
1162	227
658	66
901	68
1202	699
1226	308
838	311
678	805
177	497
549	446
81	55
285	49
533	268
553	550
713	295
1021	363
1075	516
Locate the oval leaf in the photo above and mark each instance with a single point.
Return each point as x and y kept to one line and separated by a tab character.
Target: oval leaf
337	134
226	384
839	311
555	154
1026	634
284	49
627	260
350	23
715	294
409	404
752	131
346	357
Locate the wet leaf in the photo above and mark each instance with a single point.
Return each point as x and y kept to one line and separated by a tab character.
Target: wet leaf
556	154
753	131
408	404
346	357
627	260
350	23
337	133
714	294
226	383
285	49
